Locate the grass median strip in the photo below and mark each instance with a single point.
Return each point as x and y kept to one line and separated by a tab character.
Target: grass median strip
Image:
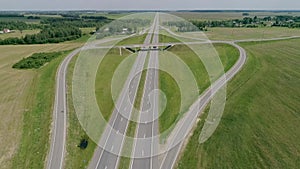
104	76
106	71
172	92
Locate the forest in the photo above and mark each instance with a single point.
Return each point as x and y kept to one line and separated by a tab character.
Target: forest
53	30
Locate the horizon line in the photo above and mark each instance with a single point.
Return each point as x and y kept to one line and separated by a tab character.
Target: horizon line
151	10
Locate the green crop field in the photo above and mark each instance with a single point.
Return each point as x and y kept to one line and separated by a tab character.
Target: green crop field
260	125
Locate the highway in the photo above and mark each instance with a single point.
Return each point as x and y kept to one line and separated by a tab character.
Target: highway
112	138
145	146
108	154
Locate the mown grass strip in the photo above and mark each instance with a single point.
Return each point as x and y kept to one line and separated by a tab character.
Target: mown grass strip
106	71
172	92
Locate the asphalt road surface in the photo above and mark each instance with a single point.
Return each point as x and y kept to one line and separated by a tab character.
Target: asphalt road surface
145	146
57	148
107	155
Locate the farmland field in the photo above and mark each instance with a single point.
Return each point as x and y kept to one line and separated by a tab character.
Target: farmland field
260	125
16	90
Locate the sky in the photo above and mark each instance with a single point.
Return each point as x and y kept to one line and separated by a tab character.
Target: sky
148	4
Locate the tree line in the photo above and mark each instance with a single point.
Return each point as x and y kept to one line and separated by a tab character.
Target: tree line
18	25
36	60
53	30
49	34
11	15
79	22
249	22
196	25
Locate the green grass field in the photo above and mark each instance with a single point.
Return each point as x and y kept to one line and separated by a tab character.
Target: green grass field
260	125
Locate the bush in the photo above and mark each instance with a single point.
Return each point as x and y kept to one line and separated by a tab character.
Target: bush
36	60
84	142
